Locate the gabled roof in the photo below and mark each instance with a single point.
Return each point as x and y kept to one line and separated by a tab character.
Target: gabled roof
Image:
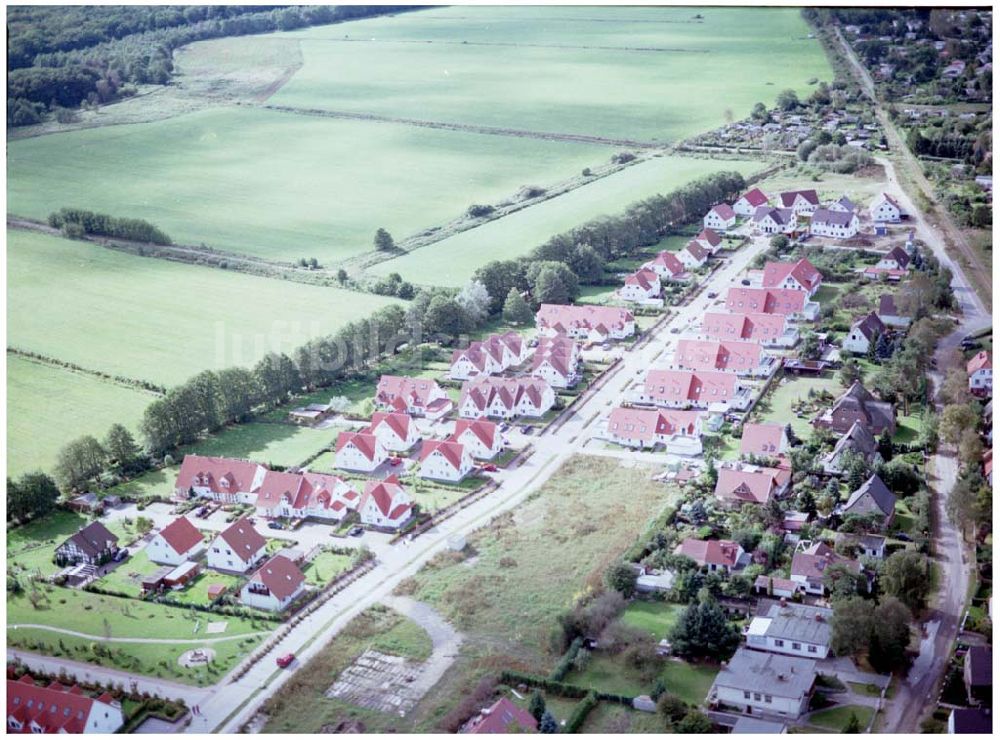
858	400
365	442
482	391
416	390
710	552
770	673
981	361
788	198
833	218
218	474
887	306
870	326
485	431
717	355
281	576
709	237
396	421
450	449
587	317
743	325
668	261
696	250
181	535
244	540
502	718
755	486
645	279
803	271
646	424
389	497
813	562
754	197
54	708
92	539
972	721
979	661
761	439
782	301
859	439
877	491
887	198
723	211
679	386
899	255
780	216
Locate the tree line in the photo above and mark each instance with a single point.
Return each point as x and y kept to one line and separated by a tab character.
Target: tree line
76	223
63	57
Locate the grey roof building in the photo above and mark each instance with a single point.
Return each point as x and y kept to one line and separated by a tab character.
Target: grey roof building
765	683
753	726
792	629
874	497
858	439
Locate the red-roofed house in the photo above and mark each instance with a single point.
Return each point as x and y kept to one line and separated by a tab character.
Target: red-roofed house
764	439
750	485
694	255
57	709
237	548
802	202
668	267
505	398
275	585
305	495
591	323
556	361
810	565
801	275
175	543
416	396
742	358
503	718
708	240
885	209
642	285
980	369
715	555
767	220
480	437
767	329
447	460
493	355
792	304
219	478
678	431
720	217
707	389
395	430
747	203
863	332
895	259
361	451
385	504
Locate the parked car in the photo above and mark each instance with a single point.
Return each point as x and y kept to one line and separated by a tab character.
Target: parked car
904	537
202	512
356	531
675	330
490	468
744	281
526	429
275	525
121	555
395	461
285	660
713	294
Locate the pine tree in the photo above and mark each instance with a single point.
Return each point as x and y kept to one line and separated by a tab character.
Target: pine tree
537	705
548	724
383	241
853	726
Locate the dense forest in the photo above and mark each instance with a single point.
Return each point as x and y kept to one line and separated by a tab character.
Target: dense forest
61	57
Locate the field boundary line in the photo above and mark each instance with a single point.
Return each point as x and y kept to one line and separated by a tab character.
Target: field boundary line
569	47
135	384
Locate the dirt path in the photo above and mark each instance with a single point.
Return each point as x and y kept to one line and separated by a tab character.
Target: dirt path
143	640
445	639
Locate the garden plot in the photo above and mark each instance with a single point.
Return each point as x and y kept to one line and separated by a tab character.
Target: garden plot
385	683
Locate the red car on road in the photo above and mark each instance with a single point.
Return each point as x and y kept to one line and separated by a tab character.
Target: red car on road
394	461
490	468
285	660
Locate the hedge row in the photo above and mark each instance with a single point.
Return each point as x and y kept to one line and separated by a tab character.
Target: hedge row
566	662
580	712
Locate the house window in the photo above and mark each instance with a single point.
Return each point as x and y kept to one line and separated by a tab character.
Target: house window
756	696
796	646
811	648
767	698
746	694
779	643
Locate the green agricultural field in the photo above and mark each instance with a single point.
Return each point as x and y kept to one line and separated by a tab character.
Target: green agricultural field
542	68
48	406
157	320
453	260
280	185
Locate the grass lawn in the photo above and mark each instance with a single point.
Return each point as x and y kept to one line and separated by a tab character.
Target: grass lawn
452	261
31	548
615	719
197	591
908	428
48	407
301	706
278	444
609	673
596	294
655	617
777	407
325	567
435	498
560	707
281	185
868	689
689	681
836	718
154	483
127	577
540	68
153	319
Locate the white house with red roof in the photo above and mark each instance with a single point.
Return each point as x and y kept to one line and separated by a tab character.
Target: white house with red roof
708	240
502	718
801	202
176	543
980	370
556	361
668	267
885	209
59	709
306	496
801	275
238	548
219	478
678	430
768	329
416	396
275	585
480	437
767	220
693	256
794	305
706	389
385	504
360	451
742	358
717	556
767	440
496	353
505	398
810	564
447	460
395	430
863	332
720	217
590	323
749	202
750	484
641	286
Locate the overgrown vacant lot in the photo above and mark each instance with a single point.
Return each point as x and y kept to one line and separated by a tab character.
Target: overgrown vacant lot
453	260
156	320
48	407
541	69
281	185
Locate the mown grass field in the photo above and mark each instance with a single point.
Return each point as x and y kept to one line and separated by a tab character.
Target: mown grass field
452	261
48	406
157	320
280	185
543	68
